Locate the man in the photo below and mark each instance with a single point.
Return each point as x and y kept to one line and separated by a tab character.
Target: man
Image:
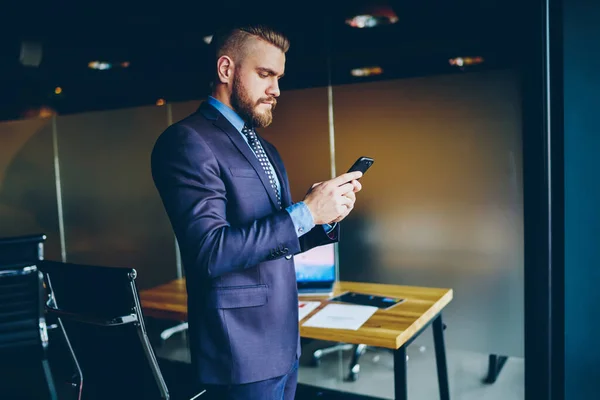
227	195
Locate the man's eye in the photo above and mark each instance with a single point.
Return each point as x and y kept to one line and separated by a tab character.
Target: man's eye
263	75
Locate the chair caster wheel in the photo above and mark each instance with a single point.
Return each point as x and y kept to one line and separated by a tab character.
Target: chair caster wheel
353	373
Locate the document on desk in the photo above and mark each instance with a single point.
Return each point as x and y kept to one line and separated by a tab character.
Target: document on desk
306	307
341	316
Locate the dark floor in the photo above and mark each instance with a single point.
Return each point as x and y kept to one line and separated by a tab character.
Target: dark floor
176	373
466	373
327	380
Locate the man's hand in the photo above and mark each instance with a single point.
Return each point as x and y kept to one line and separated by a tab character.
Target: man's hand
332	200
352	196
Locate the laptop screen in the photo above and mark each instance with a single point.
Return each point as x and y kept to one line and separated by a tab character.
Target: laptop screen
315	268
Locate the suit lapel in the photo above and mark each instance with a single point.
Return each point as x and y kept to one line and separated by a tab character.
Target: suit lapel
222	123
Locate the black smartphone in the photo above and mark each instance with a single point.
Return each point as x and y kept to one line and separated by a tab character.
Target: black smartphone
362	164
368	300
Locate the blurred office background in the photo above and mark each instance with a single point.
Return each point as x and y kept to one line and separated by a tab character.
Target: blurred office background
430	90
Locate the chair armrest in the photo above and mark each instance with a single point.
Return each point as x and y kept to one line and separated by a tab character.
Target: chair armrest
88	319
198	395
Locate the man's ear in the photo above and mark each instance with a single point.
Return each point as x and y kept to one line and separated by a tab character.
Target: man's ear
225	67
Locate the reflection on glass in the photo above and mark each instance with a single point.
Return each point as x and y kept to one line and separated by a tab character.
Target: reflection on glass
112	212
28	202
442	204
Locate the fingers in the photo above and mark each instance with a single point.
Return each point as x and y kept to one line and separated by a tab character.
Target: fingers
351	195
345	209
345	178
352	186
344	189
347	201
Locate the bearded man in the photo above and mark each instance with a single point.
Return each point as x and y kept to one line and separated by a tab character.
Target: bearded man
226	192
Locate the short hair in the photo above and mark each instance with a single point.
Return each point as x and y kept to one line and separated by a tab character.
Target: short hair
232	41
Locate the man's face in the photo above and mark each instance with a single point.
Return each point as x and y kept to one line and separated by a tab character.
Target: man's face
256	83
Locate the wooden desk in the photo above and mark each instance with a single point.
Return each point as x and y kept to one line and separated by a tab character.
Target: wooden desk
394	329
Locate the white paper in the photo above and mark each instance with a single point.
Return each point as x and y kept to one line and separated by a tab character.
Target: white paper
341	316
306	307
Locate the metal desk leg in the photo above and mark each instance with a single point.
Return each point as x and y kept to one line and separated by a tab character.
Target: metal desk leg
496	363
440	357
400	381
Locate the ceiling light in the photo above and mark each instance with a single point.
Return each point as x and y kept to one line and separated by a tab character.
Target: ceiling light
465	61
99	65
58	90
161	102
366	71
373	16
104	65
207	39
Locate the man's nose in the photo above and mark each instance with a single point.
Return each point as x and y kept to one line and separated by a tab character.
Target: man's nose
273	89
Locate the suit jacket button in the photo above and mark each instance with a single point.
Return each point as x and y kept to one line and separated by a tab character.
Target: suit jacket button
288	257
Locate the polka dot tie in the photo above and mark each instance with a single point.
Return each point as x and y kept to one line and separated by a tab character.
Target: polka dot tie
262	158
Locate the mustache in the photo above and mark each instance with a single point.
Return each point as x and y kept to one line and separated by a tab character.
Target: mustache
271	100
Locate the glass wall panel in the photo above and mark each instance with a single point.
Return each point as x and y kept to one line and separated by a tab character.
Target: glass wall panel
182	110
442	207
113	213
28	202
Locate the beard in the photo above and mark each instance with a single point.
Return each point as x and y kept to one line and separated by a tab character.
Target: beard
247	109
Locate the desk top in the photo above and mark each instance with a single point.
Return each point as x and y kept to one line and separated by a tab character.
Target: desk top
386	328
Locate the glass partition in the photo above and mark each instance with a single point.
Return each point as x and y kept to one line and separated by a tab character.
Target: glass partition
28	200
113	214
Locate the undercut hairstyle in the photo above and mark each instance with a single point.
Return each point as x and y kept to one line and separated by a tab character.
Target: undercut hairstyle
233	42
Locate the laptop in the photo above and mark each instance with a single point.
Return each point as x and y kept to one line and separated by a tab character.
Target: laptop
315	271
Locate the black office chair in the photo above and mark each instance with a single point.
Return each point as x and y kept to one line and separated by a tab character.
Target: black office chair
100	309
23	333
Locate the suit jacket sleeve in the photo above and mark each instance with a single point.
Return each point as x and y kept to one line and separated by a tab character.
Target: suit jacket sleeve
318	237
187	177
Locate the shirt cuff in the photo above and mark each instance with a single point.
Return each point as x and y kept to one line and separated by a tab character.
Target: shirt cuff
329	227
301	217
330	230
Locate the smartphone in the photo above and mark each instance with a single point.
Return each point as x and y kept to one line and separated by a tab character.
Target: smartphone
363	299
362	164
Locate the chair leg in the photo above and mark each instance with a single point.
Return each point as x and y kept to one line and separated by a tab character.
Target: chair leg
75	362
167	333
317	354
359	350
49	380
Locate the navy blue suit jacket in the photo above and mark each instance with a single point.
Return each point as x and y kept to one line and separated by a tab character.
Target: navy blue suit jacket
237	249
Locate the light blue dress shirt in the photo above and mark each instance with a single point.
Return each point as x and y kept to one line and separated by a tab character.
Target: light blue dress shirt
299	212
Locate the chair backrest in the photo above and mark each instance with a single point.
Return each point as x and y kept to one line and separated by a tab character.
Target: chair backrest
21	250
23	332
101	313
22	323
